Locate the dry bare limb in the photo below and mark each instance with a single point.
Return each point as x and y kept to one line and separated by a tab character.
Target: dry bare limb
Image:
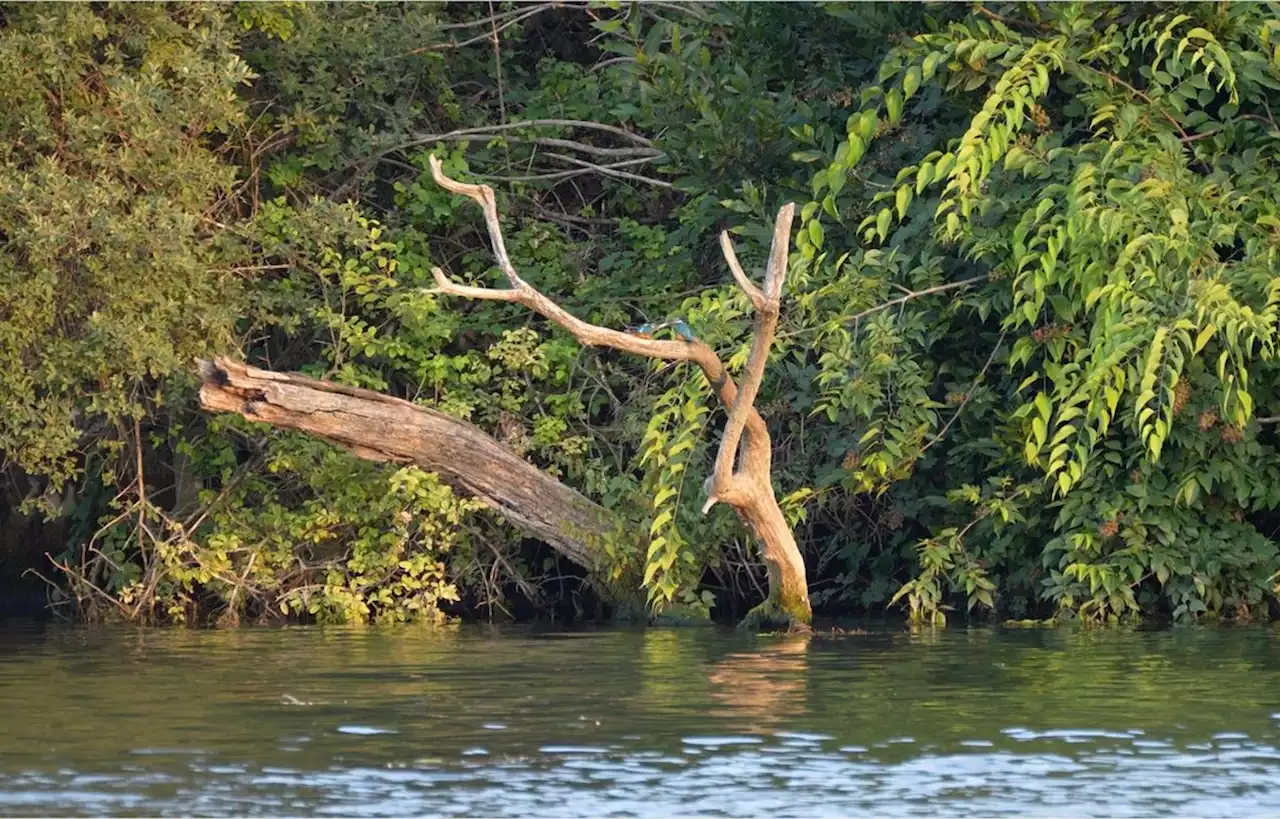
488	35
586	125
741	477
739	275
612	169
767	304
639	151
378	427
584	168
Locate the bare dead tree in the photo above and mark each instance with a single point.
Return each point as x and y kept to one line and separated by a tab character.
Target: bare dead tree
741	477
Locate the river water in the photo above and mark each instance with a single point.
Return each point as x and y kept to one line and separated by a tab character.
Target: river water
496	722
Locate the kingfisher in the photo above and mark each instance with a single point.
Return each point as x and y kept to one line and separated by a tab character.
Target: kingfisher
682	330
644	330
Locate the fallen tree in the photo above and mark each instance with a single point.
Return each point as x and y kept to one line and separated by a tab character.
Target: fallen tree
379	427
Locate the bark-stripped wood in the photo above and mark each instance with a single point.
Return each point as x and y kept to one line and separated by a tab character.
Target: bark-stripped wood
381	428
741	477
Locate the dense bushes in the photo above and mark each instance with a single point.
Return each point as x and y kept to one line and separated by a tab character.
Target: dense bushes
1025	365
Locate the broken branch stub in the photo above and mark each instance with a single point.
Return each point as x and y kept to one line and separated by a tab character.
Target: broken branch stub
741	477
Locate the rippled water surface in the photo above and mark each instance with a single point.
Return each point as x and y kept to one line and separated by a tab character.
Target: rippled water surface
660	722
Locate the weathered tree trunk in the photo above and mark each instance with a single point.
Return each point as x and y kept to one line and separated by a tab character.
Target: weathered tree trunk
381	428
788	600
741	478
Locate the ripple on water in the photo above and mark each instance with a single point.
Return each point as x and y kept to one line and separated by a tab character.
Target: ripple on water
365	730
801	736
571	749
720	741
693	723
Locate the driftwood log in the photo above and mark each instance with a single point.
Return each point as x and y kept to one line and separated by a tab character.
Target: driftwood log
378	427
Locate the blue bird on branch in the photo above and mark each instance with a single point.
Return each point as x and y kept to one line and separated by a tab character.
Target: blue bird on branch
682	330
647	330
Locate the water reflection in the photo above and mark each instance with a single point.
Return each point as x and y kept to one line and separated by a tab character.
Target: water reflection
518	722
762	689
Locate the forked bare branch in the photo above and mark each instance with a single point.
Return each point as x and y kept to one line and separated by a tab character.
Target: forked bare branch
739	275
521	292
741	477
756	459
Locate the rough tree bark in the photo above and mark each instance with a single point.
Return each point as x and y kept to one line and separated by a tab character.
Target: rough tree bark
741	477
381	428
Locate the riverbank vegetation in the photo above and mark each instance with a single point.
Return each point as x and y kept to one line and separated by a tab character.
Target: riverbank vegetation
1023	364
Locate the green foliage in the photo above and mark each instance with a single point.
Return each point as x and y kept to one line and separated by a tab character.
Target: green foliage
314	533
112	274
675	432
326	536
1024	366
1126	254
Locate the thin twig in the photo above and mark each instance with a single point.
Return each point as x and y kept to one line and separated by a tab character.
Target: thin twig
607	170
552	142
543	212
422	139
967	395
603	64
915	294
79	577
497	59
691	9
986	12
485	36
492	18
1198	137
589	167
1113	78
526	588
142	490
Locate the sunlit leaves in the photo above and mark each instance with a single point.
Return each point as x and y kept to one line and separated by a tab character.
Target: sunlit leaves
675	429
1139	251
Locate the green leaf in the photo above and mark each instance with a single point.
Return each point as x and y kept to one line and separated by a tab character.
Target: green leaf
893	105
1203	338
882	223
903	201
1043	406
911	81
924	176
816	233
